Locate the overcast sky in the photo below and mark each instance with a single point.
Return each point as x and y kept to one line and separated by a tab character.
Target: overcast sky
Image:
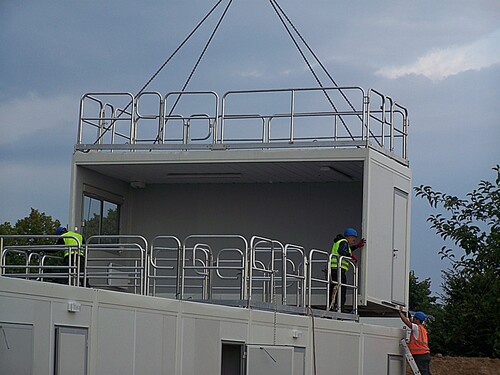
440	59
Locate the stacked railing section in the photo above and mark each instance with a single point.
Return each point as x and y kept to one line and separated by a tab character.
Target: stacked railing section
217	268
251	119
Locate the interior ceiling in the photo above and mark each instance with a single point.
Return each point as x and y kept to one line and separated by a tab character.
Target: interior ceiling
235	172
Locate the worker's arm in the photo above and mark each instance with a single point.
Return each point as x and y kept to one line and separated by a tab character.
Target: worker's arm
358	245
404	318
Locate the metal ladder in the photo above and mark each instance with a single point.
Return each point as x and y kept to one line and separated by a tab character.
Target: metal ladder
409	357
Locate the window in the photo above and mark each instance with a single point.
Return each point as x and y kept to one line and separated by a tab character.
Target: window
100	216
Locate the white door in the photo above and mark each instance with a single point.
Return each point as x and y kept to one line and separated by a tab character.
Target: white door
399	243
275	360
71	351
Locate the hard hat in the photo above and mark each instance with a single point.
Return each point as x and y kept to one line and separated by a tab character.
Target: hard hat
420	316
350	232
60	230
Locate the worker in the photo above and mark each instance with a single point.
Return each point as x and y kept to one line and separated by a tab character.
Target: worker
343	245
74	242
419	343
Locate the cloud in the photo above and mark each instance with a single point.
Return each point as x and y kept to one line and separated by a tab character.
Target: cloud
24	117
443	63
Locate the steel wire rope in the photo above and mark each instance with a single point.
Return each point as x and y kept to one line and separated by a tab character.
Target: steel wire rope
196	64
311	51
309	65
160	68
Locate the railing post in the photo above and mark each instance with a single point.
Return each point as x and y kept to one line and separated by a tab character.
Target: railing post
185	131
292	111
161	120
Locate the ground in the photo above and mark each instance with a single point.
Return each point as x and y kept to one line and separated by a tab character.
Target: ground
441	365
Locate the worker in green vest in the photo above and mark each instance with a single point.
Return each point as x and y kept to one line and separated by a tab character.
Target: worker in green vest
74	245
343	245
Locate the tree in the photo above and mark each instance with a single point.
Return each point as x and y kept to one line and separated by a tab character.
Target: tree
420	294
468	323
36	223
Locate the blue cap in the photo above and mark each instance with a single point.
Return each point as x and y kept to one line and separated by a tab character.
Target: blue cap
420	316
350	232
60	230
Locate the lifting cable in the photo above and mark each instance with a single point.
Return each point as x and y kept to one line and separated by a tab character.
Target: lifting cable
278	13
122	111
277	7
195	67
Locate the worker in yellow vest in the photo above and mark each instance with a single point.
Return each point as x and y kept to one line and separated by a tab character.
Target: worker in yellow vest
419	343
343	245
74	242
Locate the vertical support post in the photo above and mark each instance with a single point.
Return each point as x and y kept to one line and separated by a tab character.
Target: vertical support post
292	110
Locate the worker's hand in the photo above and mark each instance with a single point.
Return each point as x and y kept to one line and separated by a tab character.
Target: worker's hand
354	257
400	308
360	243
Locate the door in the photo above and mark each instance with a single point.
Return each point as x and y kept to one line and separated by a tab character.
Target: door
232	358
71	351
16	349
399	243
275	360
395	364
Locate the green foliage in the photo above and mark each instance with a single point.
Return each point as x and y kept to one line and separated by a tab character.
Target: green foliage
420	295
35	224
467	323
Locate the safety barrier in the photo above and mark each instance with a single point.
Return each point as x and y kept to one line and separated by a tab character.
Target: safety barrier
224	268
306	117
320	279
163	270
34	257
117	262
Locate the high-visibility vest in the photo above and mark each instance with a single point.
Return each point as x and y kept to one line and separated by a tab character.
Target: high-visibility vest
70	241
335	251
419	345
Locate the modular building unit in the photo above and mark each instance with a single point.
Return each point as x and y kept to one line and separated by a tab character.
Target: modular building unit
300	177
55	329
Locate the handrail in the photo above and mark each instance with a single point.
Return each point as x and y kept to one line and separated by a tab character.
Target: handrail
157	116
255	242
195	241
216	265
38	250
300	277
324	263
101	118
353	286
136	272
155	266
358	120
167	114
3	264
292	114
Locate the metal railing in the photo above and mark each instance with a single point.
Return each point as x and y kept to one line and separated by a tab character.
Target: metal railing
320	279
117	262
250	119
216	265
295	274
34	264
164	265
202	267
